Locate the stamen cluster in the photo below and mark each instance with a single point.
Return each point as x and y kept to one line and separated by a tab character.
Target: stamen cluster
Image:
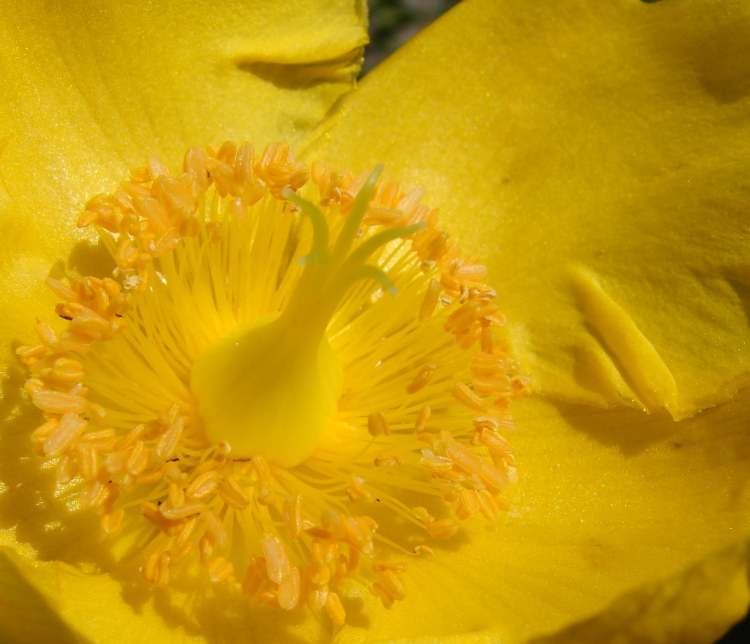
427	380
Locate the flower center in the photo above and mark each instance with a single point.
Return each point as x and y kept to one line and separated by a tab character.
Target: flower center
279	409
272	388
243	399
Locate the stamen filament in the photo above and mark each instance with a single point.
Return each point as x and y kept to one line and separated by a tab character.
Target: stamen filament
275	428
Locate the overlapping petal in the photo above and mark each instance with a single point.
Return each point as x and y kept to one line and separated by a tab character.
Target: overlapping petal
610	501
90	89
100	608
595	153
657	612
24	614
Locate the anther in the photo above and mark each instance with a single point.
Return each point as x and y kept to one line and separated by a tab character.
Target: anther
247	419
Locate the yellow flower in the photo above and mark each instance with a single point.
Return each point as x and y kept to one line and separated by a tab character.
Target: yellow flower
593	155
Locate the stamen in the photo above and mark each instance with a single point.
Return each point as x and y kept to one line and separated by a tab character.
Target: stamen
430	300
238	400
423	377
377	424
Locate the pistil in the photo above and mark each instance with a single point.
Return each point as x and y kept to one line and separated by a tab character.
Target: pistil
271	389
248	417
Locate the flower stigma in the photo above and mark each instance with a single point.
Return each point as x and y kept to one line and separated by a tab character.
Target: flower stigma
290	384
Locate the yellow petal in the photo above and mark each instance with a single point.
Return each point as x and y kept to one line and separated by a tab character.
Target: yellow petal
25	616
91	606
90	89
596	155
593	483
99	608
658	613
608	502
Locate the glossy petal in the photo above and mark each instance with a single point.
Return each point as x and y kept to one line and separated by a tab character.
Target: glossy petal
596	154
25	616
90	89
614	500
657	612
97	608
609	501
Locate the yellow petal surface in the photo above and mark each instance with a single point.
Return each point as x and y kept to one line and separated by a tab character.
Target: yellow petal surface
90	89
25	616
534	132
657	613
596	155
97	608
608	502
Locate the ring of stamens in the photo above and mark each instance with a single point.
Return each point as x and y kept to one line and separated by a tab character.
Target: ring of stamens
415	445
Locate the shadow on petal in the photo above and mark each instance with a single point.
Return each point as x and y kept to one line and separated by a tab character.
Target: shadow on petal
695	605
70	542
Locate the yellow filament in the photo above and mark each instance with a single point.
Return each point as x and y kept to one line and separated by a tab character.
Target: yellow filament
242	398
272	389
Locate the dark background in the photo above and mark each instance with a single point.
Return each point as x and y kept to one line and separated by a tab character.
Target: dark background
392	23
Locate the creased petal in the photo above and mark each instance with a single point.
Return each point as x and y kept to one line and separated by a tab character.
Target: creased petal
91	89
596	155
